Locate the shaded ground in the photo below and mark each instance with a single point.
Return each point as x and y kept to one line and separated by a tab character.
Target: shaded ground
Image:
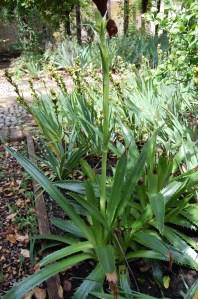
17	222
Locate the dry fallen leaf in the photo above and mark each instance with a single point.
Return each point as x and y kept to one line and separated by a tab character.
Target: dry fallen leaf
112	277
60	292
11	216
28	296
37	267
195	296
7	192
22	238
19	181
20	203
11	238
40	293
25	253
2	258
14	237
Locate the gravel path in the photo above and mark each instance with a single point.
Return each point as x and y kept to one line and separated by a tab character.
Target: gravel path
11	114
18	219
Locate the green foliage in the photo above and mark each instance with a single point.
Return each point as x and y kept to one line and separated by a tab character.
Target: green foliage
137	46
134	295
141	232
29	25
68	52
27	64
191	292
62	152
180	21
140	206
29	31
49	9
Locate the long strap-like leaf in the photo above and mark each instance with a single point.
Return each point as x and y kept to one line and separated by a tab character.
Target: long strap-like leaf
52	190
37	278
65	252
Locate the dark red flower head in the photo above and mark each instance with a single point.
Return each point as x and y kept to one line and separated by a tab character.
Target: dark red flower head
111	25
112	28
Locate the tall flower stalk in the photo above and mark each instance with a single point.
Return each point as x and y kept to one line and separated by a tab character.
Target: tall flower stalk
104	52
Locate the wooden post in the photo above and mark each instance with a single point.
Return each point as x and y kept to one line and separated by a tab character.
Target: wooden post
53	283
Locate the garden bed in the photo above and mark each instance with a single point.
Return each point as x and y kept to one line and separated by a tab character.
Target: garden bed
18	219
19	223
20	216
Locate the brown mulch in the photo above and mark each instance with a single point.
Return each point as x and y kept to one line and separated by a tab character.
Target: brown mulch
17	221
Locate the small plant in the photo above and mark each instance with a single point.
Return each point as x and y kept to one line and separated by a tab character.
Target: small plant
27	64
136	47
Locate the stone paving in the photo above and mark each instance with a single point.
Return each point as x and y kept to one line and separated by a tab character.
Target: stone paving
13	115
14	120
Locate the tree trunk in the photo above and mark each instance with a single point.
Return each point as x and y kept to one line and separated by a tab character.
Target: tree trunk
145	5
109	9
126	16
78	24
158	10
67	24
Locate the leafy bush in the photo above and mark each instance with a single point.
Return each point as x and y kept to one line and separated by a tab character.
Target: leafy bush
135	47
180	21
